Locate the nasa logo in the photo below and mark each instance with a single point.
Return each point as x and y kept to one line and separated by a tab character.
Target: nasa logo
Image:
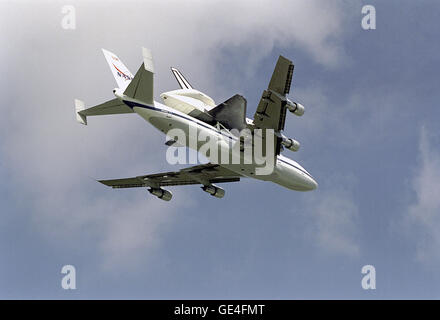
121	74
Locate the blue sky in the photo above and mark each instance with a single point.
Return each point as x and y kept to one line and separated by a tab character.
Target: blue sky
370	136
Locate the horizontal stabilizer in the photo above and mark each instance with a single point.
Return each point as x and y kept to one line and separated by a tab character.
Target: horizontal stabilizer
114	106
141	87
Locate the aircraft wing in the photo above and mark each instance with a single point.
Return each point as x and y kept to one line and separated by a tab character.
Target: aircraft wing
271	110
205	174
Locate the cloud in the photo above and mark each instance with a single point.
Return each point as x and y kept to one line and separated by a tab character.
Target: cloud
198	36
314	26
332	221
49	157
423	217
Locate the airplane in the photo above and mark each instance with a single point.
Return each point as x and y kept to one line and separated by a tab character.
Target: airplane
189	109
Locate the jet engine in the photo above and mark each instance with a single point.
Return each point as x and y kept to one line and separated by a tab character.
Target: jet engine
214	191
161	193
290	144
294	107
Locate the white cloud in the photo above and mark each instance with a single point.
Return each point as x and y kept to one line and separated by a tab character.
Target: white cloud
423	217
50	157
194	34
314	26
332	222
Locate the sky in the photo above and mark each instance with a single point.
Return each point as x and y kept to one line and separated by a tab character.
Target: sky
369	136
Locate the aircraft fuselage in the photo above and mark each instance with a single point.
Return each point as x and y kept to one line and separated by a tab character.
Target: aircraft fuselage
286	172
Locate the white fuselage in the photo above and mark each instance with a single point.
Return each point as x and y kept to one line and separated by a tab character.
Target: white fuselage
286	172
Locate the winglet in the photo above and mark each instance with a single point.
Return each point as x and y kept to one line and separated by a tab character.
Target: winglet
79	106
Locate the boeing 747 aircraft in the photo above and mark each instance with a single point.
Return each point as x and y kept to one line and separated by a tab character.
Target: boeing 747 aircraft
192	111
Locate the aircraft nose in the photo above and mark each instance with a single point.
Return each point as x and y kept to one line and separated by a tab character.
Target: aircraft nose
313	184
310	184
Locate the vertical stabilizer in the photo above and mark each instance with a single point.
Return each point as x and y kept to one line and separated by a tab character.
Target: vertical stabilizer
142	86
122	75
183	83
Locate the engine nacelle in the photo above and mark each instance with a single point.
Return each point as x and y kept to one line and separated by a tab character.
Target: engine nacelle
161	193
290	144
295	107
214	191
